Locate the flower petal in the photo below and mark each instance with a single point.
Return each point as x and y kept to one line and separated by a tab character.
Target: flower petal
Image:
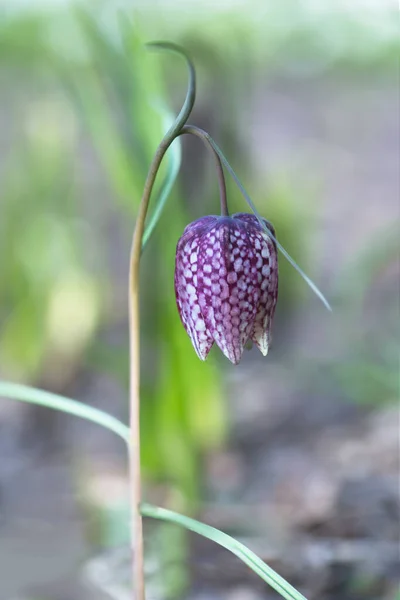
199	226
187	298
266	247
227	288
253	221
261	334
226	283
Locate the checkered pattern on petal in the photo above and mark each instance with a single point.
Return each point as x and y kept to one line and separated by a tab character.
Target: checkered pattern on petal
226	283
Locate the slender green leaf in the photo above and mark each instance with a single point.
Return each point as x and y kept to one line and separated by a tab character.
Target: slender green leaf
24	393
240	550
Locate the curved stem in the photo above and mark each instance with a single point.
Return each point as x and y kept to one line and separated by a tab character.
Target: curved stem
134	324
200	133
191	93
173	158
249	201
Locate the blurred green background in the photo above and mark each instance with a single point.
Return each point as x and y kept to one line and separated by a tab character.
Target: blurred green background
296	453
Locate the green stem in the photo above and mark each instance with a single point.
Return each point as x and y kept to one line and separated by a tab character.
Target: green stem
193	130
249	201
134	323
173	165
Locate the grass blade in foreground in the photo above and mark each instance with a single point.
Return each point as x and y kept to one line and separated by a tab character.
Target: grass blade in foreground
240	550
16	391
24	393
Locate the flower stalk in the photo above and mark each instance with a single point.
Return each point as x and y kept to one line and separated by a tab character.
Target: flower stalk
134	327
204	137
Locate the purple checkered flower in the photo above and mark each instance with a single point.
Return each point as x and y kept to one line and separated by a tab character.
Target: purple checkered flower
226	283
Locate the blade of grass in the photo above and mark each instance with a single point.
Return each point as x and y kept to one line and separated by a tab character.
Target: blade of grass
240	550
24	393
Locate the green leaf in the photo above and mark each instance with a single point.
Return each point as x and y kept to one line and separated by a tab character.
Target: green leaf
34	396
24	393
240	550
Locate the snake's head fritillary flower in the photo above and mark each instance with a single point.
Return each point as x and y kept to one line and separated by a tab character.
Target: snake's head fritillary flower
226	283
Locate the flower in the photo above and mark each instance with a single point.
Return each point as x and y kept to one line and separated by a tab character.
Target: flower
226	283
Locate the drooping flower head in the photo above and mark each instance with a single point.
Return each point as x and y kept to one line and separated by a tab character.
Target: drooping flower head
226	283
